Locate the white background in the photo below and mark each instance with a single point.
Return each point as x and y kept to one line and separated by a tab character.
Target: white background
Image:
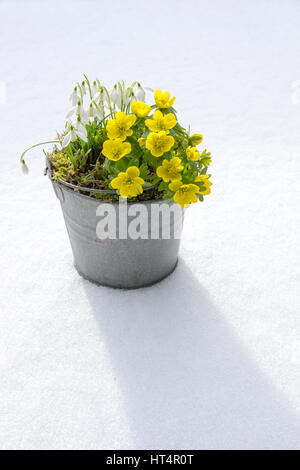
208	358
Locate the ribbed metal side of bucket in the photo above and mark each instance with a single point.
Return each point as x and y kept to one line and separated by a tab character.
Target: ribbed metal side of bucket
120	262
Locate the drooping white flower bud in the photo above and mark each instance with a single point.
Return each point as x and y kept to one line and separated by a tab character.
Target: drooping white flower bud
81	130
95	112
24	168
129	96
94	88
74	96
115	96
140	93
77	109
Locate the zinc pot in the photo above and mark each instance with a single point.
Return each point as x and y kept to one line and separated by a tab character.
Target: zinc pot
119	262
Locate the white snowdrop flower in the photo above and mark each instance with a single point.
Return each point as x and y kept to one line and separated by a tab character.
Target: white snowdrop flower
140	93
81	131
25	169
101	97
70	135
129	96
84	116
77	110
94	89
83	87
75	96
116	96
73	132
95	112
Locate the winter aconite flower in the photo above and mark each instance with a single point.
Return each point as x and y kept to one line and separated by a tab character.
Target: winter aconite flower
140	109
192	154
162	100
196	139
159	143
184	193
129	183
120	128
170	170
116	149
161	122
205	184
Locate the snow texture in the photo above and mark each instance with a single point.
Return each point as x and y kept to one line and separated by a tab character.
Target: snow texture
208	358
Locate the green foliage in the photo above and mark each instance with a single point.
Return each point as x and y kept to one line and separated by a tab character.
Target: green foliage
205	158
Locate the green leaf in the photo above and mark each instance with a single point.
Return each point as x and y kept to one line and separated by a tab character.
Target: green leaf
144	171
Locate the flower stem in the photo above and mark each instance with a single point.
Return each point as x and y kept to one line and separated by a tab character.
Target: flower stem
35	145
89	86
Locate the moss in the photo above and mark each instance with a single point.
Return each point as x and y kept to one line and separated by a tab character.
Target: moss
94	177
61	166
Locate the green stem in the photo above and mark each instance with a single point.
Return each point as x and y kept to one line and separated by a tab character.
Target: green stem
69	152
36	145
81	93
108	97
88	83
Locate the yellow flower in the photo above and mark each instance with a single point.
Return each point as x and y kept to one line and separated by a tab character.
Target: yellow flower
170	170
184	193
159	142
119	128
205	181
141	141
140	109
163	100
129	183
192	154
115	149
196	139
161	122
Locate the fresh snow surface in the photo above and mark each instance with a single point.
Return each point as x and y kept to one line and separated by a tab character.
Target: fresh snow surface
208	358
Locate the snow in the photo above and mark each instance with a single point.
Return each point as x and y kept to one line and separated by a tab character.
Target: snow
208	358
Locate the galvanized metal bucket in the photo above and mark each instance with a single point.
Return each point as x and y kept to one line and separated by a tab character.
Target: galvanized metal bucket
122	263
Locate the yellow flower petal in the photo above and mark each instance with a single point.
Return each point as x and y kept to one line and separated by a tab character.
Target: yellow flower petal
170	170
133	171
116	149
196	139
140	109
119	128
175	185
128	183
205	181
162	100
192	154
159	143
161	122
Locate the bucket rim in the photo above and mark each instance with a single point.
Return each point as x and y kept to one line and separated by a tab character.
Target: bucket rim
75	190
99	201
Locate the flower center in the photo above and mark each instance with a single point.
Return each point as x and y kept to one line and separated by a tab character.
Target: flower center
172	171
184	190
158	144
117	153
129	181
160	124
